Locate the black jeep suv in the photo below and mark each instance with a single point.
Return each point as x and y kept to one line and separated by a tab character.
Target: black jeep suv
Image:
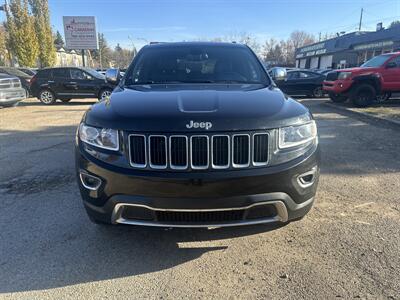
66	83
197	135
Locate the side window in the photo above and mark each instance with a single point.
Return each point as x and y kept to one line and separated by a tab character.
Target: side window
77	74
292	75
304	75
44	73
60	73
397	61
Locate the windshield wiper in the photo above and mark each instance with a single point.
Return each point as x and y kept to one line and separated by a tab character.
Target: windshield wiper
238	82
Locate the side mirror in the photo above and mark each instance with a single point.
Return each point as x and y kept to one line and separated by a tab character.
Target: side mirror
278	74
113	76
391	64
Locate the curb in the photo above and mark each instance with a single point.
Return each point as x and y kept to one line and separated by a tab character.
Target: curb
364	116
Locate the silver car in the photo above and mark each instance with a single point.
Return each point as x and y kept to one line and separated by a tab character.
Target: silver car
11	91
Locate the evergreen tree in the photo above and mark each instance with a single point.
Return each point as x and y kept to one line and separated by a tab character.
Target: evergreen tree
58	40
103	55
47	53
3	46
22	39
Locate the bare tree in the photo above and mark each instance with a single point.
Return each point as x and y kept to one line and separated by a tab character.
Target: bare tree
301	38
282	52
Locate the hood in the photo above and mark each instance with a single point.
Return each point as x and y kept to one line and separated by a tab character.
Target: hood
359	70
169	108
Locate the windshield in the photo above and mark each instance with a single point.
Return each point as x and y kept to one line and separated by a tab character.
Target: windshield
377	61
15	72
196	64
94	73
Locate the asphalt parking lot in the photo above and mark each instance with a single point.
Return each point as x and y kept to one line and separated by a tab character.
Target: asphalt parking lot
347	247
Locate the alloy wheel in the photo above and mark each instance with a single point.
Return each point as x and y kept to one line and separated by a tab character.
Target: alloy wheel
105	95
46	97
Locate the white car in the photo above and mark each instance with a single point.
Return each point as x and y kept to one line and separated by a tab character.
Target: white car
11	91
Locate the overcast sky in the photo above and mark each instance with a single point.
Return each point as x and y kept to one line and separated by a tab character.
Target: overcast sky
138	22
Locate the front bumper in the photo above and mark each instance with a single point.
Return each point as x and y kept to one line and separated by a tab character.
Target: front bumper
205	199
12	96
337	86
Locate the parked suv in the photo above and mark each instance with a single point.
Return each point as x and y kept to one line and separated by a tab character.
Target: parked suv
197	135
51	84
11	91
375	79
24	78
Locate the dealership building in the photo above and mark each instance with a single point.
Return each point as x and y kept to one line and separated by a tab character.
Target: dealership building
348	50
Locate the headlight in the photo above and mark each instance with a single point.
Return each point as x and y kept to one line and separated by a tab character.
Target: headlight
297	135
99	137
344	75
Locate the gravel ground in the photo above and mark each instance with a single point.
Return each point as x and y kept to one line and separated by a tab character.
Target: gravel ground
347	247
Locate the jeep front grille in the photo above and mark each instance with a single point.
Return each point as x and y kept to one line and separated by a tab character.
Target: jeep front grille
199	152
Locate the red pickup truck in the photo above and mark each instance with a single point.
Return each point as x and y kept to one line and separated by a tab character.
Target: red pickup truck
376	79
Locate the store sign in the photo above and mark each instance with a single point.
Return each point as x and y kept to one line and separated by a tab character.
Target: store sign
381	44
80	32
312	50
313	47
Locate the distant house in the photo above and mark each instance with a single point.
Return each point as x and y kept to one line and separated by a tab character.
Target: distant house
68	58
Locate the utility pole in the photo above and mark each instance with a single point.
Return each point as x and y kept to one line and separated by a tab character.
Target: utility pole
361	15
83	58
319	37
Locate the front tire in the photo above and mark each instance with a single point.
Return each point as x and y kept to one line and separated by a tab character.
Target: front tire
363	95
337	98
47	97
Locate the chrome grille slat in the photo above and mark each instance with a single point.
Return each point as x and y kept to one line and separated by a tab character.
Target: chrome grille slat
178	152
260	149
158	151
137	150
198	152
218	148
241	150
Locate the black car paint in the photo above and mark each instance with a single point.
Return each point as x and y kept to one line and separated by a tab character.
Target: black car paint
296	85
229	107
64	86
167	108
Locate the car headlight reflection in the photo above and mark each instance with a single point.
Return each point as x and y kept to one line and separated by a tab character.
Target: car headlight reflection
100	137
293	136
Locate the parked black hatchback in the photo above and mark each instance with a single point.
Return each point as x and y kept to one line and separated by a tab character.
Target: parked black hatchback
67	83
197	135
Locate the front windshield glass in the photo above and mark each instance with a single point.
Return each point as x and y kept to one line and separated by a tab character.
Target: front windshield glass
94	73
375	62
15	72
196	64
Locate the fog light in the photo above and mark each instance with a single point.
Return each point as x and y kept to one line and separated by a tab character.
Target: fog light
307	179
89	181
